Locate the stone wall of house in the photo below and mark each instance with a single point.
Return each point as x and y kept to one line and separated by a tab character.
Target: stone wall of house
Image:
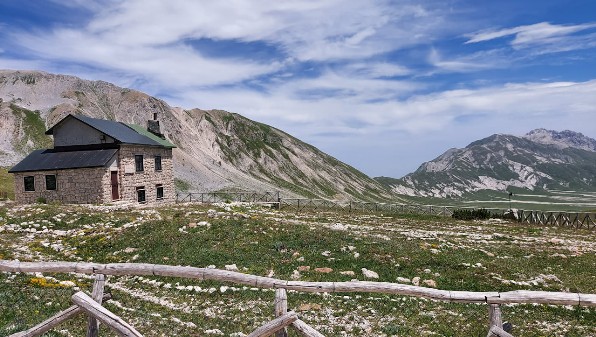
149	178
73	186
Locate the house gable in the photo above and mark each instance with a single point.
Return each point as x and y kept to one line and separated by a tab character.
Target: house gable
71	131
119	132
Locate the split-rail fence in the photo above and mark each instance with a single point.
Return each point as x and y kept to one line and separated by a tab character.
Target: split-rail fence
91	305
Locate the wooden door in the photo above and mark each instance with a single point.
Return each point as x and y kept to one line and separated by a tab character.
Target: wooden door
115	194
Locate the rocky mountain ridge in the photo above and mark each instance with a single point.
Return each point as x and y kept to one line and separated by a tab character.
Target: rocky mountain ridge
541	159
217	150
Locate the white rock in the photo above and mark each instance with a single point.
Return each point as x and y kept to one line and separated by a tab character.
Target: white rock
69	284
369	273
430	283
416	281
214	332
231	267
403	280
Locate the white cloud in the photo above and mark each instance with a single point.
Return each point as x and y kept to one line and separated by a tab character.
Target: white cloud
154	39
562	104
468	63
538	33
305	29
173	66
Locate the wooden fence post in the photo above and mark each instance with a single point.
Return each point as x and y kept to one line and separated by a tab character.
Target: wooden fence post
97	295
305	330
92	308
494	315
281	308
53	321
495	326
276	324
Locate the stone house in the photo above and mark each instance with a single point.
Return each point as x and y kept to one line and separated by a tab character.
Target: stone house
98	161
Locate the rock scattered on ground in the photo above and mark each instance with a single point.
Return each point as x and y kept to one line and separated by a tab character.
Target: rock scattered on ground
430	283
231	267
369	273
324	270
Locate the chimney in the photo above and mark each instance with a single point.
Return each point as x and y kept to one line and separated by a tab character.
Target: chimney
153	127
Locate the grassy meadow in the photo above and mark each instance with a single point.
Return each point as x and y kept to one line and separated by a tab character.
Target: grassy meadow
555	200
453	255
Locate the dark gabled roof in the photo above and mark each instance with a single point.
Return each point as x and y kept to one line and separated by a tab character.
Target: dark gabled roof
47	160
141	130
119	131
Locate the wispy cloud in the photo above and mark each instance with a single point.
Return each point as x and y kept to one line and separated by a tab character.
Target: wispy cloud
539	33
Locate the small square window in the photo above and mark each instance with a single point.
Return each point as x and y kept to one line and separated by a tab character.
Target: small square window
159	190
139	163
141	194
157	163
51	182
29	182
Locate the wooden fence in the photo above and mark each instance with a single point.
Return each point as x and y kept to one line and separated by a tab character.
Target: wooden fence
561	219
92	305
585	220
215	197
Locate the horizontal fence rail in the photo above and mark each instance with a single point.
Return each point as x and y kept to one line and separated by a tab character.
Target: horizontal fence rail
519	296
215	197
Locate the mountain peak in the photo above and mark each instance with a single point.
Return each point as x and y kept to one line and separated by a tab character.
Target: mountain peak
542	159
562	140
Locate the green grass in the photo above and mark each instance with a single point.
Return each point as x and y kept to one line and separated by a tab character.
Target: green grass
181	185
34	131
7	183
457	255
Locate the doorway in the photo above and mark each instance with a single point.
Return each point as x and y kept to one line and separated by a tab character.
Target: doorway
114	178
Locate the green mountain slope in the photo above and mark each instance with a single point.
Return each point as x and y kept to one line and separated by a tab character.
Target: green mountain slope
541	160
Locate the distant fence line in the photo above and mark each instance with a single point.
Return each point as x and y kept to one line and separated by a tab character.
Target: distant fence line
215	197
585	220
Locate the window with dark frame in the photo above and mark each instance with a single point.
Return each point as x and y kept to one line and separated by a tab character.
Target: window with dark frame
159	191
157	163
29	182
51	182
139	163
141	194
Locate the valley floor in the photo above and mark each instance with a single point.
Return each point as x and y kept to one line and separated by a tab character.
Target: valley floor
453	255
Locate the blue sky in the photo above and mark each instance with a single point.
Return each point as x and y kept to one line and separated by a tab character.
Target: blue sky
381	85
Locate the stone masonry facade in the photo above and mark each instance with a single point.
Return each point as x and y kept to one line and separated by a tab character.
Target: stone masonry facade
73	186
93	185
149	179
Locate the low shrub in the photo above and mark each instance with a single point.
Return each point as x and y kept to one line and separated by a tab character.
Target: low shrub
471	214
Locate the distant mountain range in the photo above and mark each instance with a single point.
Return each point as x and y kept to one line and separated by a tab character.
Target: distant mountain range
542	159
217	150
